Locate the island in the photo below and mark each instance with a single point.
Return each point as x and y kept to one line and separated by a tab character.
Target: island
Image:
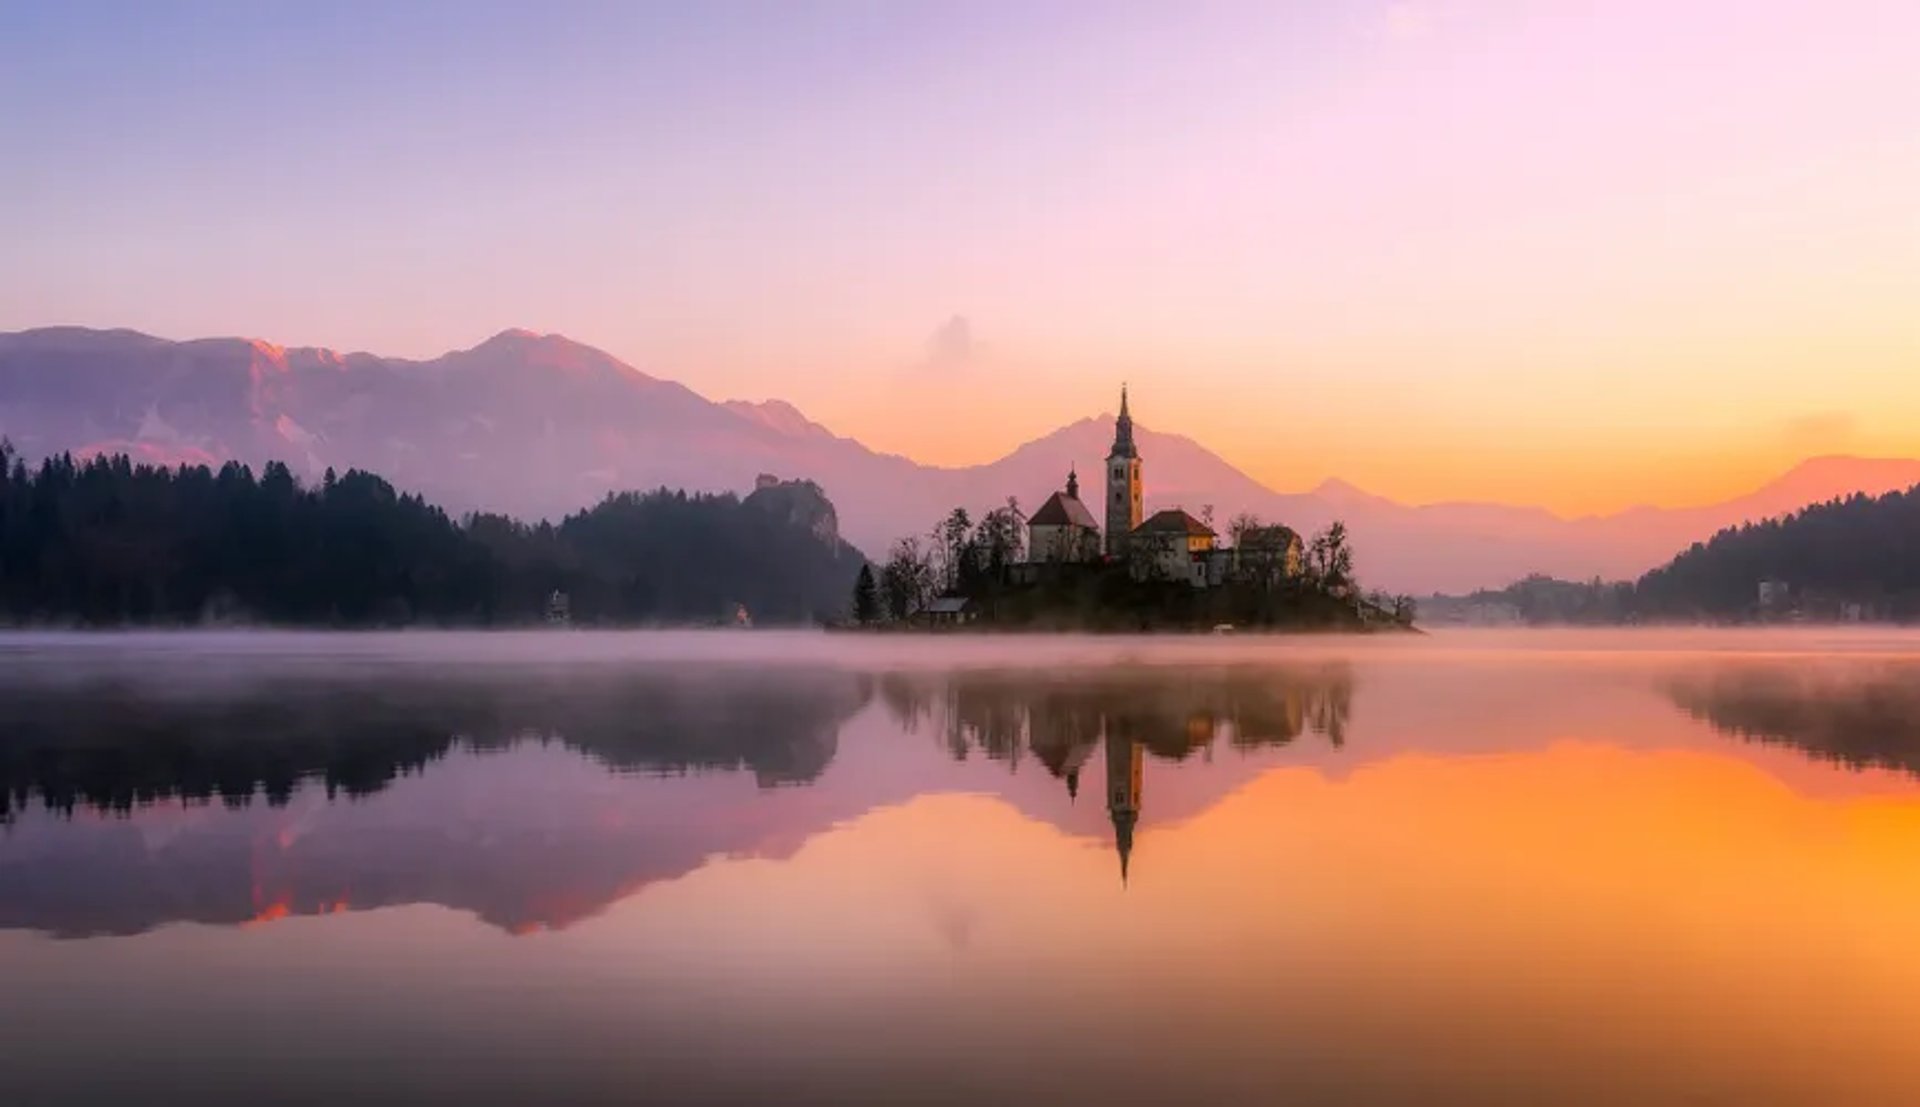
1059	570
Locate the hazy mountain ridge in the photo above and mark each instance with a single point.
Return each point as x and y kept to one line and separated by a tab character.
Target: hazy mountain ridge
539	425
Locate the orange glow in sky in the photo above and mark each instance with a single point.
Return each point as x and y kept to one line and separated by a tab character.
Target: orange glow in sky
1577	255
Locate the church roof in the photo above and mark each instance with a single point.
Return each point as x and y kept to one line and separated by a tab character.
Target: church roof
1062	510
1174	521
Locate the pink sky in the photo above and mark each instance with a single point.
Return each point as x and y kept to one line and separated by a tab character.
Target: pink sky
1576	255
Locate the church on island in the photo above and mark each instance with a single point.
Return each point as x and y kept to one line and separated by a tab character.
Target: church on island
1170	545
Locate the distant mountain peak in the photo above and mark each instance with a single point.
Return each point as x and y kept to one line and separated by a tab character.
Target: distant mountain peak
1335	490
780	416
517	348
519	336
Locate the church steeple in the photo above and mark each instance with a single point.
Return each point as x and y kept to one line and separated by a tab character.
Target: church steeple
1123	430
1073	482
1126	495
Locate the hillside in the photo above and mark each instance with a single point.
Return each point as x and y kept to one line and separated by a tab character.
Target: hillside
1862	550
537	426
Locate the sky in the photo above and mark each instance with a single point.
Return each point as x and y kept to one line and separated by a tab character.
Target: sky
1575	255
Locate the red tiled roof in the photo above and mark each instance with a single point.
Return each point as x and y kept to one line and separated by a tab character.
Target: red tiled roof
1174	521
1062	510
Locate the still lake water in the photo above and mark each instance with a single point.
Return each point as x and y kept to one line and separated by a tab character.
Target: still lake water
1474	868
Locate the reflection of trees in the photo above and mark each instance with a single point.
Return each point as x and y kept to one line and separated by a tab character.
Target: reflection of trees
1172	713
1870	721
114	745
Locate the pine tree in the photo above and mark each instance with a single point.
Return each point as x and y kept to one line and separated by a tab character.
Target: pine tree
866	597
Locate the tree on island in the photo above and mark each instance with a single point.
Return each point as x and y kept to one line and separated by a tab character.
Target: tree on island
1241	526
1000	539
952	537
1330	559
907	579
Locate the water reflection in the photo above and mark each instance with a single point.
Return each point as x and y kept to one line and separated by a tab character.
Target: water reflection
114	745
509	811
1131	712
1279	875
1861	715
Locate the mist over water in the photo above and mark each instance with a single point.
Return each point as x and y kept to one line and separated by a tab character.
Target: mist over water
1472	867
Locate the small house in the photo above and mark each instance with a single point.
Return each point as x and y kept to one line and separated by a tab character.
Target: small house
949	611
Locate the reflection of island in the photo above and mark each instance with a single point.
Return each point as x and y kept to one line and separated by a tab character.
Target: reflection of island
1171	715
1863	721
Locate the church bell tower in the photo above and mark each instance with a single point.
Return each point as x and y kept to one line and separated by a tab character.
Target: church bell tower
1125	496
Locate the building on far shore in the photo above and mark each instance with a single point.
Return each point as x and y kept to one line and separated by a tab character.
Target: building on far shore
949	611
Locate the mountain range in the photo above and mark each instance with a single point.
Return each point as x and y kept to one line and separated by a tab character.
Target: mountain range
539	425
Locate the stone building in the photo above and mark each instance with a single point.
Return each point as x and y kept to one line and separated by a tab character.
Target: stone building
1173	545
1063	530
1267	553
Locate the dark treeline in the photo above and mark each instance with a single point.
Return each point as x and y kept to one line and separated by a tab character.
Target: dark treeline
1846	559
1862	550
106	542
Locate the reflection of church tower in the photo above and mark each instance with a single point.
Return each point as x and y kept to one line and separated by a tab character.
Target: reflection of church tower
1125	505
1124	777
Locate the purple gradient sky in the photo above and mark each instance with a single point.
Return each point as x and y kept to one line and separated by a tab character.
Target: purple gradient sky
1572	254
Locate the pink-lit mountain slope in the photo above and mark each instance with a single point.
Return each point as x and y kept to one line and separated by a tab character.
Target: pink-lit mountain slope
538	425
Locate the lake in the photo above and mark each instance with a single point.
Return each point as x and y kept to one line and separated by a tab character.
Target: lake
743	867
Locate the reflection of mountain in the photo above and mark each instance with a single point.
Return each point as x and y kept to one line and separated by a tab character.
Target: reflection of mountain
535	796
472	791
1862	721
504	815
112	746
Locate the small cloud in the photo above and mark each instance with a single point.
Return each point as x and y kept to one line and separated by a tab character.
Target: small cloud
953	344
1820	431
1406	21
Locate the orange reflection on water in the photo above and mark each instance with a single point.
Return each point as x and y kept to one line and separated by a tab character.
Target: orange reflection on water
1579	922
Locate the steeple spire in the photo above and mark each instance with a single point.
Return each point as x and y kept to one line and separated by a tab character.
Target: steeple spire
1123	430
1124	778
1073	482
1123	841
